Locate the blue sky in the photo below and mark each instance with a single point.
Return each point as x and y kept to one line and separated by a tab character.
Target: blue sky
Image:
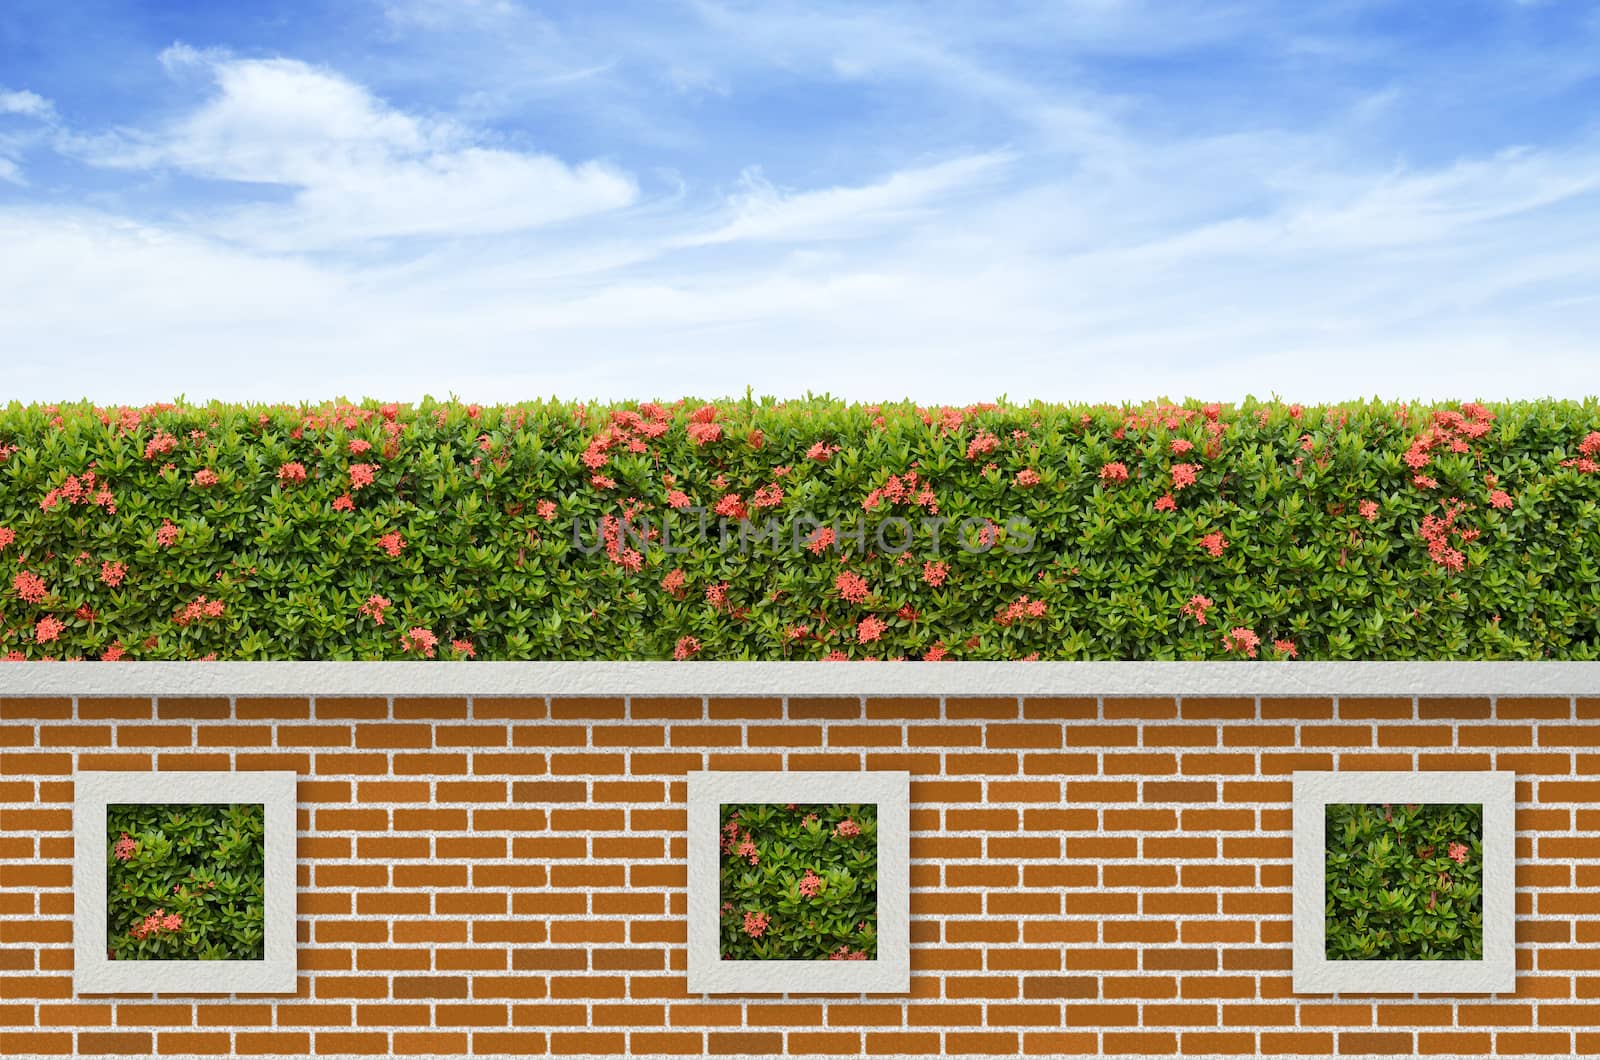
1087	200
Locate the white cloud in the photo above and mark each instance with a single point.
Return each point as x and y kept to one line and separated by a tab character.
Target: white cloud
358	168
10	171
761	212
28	104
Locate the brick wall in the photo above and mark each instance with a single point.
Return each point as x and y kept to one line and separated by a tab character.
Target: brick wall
1089	876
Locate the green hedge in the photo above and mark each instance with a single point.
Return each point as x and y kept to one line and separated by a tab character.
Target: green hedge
185	882
1267	531
1404	883
799	882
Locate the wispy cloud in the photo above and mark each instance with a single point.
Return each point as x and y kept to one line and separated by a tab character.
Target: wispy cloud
760	212
28	104
357	168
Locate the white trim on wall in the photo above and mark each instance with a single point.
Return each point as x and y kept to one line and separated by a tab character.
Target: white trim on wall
1495	973
889	972
94	973
802	678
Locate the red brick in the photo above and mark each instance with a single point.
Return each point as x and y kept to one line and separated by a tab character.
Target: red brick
1544	1043
115	1043
744	709
1336	736
509	708
1298	708
1392	1043
212	1043
1538	708
1163	735
1376	708
1074	708
1220	1043
1179	791
835	708
1148	1042
1155	708
37	708
351	708
349	1043
991	708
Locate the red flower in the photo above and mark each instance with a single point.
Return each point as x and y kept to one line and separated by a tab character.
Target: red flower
463	647
1184	475
851	586
112	573
1027	477
125	848
1116	471
934	573
419	639
747	850
870	629
343	503
47	630
1457	852
1242	639
167	534
362	475
29	586
820	451
1196	607
392	543
6	536
755	924
982	443
1368	510
205	477
1214	543
374	606
702	427
546	510
161	442
292	472
686	647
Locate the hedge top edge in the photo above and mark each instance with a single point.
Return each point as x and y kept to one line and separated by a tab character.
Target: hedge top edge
802	530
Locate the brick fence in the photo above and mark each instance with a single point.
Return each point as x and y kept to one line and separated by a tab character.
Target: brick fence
1090	874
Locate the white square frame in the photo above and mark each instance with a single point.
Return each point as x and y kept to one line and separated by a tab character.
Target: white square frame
890	972
1494	973
93	973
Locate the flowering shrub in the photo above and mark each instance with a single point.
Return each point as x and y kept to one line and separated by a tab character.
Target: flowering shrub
184	883
799	883
555	530
1404	882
